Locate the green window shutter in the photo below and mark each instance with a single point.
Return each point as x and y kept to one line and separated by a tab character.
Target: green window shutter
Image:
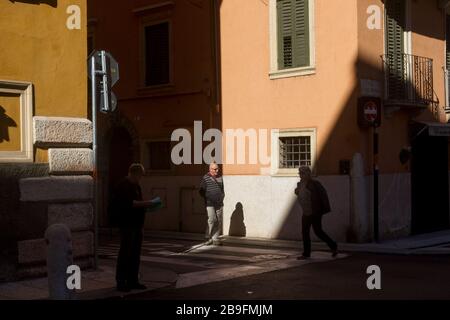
395	28
292	33
447	48
301	39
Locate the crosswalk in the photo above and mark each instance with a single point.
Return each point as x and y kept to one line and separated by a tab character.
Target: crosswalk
198	263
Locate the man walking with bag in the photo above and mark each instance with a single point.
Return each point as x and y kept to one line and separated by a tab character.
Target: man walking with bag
313	199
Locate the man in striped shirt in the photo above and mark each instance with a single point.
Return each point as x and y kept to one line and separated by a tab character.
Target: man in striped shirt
211	189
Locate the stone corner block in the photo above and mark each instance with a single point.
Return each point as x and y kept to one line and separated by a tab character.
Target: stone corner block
77	216
57	188
83	244
32	251
60	131
76	160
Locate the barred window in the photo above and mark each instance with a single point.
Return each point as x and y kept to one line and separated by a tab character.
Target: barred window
293	147
295	151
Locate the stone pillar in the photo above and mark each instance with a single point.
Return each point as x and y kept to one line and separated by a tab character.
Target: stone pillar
59	258
360	211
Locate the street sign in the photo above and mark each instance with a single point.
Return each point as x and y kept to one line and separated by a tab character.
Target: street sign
112	65
113	68
103	66
112	106
370	111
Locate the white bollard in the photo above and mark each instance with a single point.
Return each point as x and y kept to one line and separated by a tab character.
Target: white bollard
59	258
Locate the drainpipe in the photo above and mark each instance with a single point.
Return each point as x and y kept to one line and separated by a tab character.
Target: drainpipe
94	149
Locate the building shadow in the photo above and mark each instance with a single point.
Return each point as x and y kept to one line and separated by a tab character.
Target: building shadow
5	123
237	225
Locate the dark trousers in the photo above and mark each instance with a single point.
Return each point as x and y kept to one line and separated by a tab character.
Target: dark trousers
127	269
316	222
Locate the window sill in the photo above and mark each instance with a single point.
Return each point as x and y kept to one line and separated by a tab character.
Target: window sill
304	71
285	173
163	88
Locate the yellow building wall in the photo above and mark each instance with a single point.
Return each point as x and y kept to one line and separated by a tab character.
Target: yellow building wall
9	122
36	46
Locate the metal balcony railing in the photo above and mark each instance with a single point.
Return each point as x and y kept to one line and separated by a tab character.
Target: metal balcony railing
408	80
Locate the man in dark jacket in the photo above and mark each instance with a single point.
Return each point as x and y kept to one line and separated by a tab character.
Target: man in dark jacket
131	217
313	199
211	189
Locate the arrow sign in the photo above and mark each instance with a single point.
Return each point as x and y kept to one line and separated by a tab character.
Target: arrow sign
112	105
112	66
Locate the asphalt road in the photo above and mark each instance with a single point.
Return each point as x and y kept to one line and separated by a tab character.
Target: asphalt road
401	277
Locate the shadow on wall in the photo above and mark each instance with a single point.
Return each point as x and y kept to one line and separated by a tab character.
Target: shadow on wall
394	133
237	225
5	123
53	3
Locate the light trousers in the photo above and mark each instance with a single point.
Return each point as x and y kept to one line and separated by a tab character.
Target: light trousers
214	222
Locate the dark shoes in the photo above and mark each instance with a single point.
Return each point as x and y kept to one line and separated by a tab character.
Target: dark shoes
128	287
123	288
303	257
334	253
137	286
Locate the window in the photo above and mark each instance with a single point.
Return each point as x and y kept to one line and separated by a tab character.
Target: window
399	62
447	61
156	54
295	152
16	116
291	38
158	155
292	148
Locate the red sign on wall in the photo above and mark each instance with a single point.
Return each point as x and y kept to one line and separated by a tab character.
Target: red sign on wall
369	111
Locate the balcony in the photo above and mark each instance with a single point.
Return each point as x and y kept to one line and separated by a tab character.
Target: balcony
408	81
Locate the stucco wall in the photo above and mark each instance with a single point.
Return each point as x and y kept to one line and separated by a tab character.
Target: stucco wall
36	46
324	100
270	207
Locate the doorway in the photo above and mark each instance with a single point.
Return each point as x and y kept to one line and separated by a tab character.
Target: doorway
193	217
429	183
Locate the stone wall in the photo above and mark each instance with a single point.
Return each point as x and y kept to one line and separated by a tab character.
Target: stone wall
35	196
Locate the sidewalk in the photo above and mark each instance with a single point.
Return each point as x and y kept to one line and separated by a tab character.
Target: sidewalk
430	243
95	284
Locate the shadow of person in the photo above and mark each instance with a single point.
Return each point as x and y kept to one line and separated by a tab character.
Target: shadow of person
5	123
237	226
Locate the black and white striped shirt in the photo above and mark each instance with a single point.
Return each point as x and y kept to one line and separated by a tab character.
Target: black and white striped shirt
212	190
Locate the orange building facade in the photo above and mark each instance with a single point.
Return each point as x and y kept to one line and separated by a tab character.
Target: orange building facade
294	77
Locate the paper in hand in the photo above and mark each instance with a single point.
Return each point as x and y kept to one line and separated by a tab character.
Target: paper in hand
155	205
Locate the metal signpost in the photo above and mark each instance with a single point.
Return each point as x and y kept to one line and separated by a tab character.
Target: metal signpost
370	110
102	65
